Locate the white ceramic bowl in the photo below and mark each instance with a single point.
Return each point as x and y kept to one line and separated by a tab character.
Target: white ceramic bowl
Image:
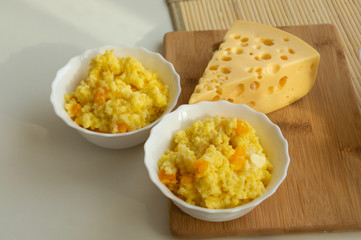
69	77
270	136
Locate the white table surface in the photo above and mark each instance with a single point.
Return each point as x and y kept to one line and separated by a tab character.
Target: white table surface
53	183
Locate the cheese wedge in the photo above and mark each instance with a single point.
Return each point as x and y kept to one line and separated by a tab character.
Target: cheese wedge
258	65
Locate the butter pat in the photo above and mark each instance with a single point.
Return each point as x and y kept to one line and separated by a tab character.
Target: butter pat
258	65
258	160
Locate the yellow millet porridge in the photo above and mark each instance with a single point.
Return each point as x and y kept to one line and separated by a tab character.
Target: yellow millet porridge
118	96
216	163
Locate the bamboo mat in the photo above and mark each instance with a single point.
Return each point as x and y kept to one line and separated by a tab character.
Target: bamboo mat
196	15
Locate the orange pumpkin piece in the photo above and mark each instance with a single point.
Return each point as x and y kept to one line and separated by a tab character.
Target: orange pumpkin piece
187	180
75	109
122	127
201	166
238	159
167	178
242	128
100	95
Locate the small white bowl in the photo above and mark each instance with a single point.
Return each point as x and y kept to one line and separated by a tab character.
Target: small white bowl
270	136
69	77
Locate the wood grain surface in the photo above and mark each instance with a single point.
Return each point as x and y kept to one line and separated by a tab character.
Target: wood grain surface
322	191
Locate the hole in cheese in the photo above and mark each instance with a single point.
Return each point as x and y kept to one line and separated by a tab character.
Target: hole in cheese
266	56
282	82
251	53
284	57
236	36
225	58
267	42
290	50
216	98
256	46
258	70
256	58
250	70
285	39
273	68
213	68
254	85
238	90
312	66
245	39
244	44
228	52
238	51
209	87
259	77
225	70
251	104
270	90
230	100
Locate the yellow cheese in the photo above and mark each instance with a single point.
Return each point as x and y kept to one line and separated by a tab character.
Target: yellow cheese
258	65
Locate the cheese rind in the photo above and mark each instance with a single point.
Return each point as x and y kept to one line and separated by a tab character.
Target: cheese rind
258	65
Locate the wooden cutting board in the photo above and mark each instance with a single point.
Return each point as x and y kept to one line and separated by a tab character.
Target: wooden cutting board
322	191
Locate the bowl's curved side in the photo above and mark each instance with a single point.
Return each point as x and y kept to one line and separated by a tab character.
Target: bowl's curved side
118	142
217	216
183	117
